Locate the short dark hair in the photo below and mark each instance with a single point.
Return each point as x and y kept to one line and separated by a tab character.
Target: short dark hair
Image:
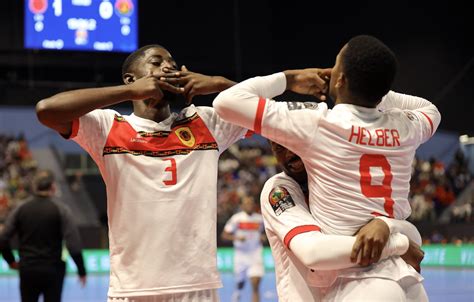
43	180
134	56
370	67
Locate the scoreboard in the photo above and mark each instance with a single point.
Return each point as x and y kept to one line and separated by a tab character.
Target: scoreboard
81	25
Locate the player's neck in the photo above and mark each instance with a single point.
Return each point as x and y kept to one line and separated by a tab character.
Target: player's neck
351	100
156	114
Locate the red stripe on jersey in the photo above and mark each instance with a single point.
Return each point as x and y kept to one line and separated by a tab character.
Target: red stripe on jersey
299	230
191	135
377	214
249	133
429	120
74	128
251	226
257	126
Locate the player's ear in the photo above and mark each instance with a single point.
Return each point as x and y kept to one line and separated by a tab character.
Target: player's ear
341	80
128	78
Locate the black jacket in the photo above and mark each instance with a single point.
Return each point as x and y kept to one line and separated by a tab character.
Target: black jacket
42	224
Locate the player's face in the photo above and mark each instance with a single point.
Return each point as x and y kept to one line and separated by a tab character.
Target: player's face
290	162
155	61
248	204
334	83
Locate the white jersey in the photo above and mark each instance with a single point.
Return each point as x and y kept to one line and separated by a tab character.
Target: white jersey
161	183
248	226
286	215
358	159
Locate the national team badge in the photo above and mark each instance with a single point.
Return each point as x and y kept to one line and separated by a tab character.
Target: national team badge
185	136
280	200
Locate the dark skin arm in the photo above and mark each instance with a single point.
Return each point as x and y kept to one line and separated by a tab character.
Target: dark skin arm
414	256
370	241
372	238
309	81
196	83
231	237
58	112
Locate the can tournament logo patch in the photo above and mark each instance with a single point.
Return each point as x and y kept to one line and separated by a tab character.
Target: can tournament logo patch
280	200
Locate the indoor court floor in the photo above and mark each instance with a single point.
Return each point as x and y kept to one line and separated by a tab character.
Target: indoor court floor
440	283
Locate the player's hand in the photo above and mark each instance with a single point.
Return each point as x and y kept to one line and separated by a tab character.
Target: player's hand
151	87
83	281
195	83
370	241
310	81
414	256
14	265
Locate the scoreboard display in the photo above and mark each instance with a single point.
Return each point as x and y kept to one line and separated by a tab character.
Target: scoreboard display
81	25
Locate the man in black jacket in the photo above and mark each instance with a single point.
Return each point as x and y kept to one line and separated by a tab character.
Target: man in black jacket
41	224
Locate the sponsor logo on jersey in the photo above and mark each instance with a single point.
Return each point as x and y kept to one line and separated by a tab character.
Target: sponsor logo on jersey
301	105
280	200
185	136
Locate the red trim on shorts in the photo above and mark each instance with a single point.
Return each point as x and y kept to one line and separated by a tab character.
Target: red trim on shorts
429	120
257	126
299	230
75	128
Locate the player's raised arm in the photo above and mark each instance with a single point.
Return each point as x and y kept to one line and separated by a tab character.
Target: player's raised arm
249	104
58	111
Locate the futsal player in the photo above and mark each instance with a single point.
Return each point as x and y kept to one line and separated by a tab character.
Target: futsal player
245	230
160	169
358	157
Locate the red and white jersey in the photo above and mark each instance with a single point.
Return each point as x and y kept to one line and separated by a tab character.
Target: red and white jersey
358	159
286	215
248	226
161	183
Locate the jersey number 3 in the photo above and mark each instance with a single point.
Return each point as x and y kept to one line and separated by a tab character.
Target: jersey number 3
171	169
384	191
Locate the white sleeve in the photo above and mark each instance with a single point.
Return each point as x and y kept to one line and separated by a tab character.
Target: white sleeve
248	104
90	131
286	214
404	227
424	115
231	225
223	132
332	252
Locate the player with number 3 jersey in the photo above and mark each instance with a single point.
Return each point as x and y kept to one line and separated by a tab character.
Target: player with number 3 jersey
160	169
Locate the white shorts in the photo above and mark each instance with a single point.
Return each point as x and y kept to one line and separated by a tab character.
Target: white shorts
206	295
248	266
407	289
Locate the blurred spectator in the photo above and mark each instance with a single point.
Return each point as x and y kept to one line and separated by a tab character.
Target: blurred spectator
17	168
434	189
